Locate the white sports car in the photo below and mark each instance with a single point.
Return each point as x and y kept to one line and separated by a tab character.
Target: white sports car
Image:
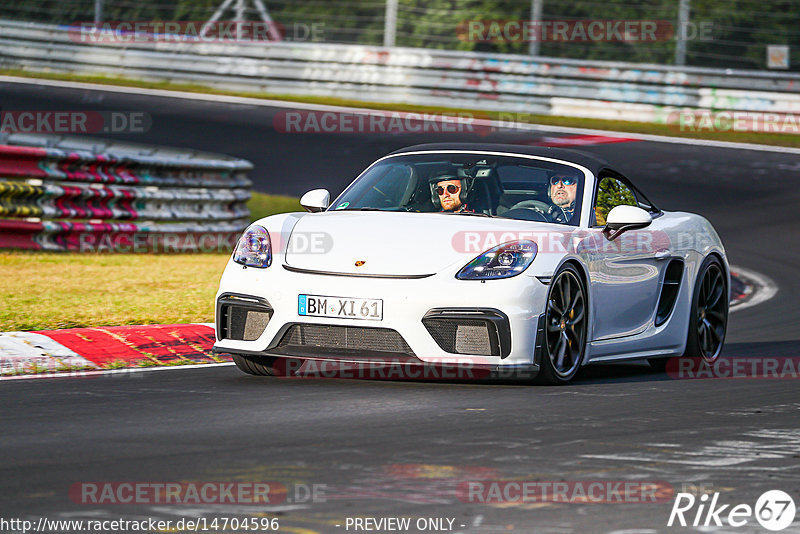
512	260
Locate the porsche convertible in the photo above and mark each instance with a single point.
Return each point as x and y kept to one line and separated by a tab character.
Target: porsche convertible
520	261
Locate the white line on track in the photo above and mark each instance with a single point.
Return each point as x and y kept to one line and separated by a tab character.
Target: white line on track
764	288
104	372
210	97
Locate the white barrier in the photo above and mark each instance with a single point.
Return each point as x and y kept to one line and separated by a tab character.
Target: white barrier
499	82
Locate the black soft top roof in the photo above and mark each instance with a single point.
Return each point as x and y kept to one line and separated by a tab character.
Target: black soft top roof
590	161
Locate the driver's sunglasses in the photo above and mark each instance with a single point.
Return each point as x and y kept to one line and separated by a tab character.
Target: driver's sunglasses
566	180
452	189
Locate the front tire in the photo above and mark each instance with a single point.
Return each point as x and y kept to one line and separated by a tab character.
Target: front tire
565	327
708	319
255	365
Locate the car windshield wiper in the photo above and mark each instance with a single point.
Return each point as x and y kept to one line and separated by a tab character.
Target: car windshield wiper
378	209
470	213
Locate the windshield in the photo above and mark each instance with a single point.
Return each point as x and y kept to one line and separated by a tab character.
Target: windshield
469	184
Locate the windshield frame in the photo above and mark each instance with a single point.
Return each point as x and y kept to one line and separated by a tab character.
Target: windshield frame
588	177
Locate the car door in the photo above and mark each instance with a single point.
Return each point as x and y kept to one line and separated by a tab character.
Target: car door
625	272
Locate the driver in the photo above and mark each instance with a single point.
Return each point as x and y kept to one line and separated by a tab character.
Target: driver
562	191
448	188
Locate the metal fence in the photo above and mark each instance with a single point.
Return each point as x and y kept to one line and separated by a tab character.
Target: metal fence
470	80
738	34
62	193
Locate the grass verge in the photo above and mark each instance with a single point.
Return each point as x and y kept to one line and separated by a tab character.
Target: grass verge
43	291
261	205
788	140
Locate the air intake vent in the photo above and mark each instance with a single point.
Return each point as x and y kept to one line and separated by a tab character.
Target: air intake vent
481	332
669	291
242	318
344	339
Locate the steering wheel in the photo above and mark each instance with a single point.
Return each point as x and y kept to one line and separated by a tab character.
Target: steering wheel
550	212
386	199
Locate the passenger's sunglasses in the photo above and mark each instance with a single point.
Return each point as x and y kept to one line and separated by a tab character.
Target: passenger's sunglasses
566	180
452	189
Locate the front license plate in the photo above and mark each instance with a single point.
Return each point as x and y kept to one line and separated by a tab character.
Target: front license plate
340	307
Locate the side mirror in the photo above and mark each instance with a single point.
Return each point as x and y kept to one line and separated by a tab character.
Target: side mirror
624	218
316	200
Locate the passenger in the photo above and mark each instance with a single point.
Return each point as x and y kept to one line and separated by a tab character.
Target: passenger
562	192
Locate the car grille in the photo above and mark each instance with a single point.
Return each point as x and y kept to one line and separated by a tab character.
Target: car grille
242	318
345	338
461	337
480	332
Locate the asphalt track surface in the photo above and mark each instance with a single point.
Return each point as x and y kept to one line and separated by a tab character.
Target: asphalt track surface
389	448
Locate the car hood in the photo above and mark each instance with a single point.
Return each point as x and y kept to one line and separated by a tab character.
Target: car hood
403	244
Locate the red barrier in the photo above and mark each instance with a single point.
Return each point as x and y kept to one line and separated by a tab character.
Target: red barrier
20	234
22	161
87	199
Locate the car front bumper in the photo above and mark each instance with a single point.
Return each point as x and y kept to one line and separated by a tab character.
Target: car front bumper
515	305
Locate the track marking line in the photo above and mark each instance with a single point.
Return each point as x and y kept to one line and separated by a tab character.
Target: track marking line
124	371
763	290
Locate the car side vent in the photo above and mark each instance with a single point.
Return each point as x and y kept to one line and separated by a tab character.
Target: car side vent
669	291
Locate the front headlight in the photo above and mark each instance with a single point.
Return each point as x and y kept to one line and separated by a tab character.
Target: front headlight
502	261
254	248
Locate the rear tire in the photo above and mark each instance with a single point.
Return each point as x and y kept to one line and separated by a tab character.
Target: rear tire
565	328
255	365
708	319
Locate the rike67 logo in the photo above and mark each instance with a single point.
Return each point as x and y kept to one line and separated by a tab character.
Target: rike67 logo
774	510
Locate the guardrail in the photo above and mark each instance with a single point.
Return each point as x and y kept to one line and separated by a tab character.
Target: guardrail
498	82
62	193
